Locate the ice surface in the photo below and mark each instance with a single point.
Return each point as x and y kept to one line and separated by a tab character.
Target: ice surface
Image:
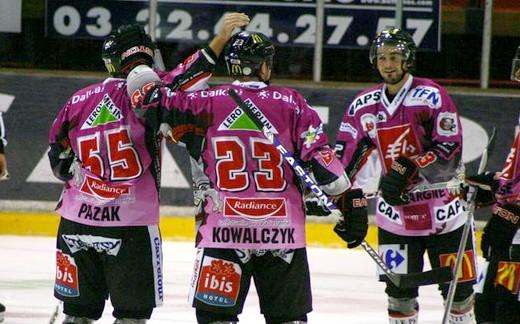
345	289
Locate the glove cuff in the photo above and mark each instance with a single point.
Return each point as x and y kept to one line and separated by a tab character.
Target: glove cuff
353	199
405	167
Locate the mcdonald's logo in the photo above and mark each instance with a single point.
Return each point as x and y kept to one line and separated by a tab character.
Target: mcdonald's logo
111	68
508	276
236	69
256	38
467	271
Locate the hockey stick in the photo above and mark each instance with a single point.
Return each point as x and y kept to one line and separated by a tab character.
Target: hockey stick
54	315
434	276
472	193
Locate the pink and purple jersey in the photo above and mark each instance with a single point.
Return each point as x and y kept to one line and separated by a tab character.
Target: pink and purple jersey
115	185
421	123
117	181
509	179
260	199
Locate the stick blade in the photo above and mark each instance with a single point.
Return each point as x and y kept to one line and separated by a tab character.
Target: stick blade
431	277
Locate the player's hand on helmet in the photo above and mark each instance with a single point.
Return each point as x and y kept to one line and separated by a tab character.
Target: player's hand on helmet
352	227
499	231
315	207
143	87
231	21
398	180
486	185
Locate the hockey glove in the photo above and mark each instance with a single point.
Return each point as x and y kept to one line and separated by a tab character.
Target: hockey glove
396	182
486	186
313	206
353	224
498	234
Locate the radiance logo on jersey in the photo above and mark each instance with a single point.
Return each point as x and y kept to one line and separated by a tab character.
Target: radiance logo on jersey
395	142
255	208
102	190
219	282
105	112
238	120
66	282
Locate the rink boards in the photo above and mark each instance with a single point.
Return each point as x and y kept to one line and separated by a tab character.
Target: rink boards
178	228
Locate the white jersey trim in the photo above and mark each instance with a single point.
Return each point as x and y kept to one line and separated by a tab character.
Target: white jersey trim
391	107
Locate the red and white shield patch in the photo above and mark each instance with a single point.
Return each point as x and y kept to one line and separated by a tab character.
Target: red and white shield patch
395	142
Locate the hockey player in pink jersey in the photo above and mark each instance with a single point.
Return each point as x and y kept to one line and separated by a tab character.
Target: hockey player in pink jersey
498	299
413	128
254	226
108	243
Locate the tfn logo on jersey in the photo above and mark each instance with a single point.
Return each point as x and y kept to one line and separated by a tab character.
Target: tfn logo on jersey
219	282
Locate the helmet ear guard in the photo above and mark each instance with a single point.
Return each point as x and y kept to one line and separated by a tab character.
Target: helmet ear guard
245	53
402	41
125	48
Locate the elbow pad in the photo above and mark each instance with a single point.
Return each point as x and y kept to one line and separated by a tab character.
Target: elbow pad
61	162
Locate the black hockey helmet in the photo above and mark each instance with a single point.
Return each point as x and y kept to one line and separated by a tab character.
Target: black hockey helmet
246	51
127	47
515	66
394	37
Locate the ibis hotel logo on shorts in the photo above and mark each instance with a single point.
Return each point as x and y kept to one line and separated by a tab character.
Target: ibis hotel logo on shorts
66	282
255	208
219	282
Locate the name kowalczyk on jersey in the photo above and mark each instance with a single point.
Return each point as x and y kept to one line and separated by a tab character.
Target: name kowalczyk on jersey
253	235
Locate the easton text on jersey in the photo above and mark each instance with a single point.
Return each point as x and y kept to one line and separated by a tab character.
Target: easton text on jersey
253	235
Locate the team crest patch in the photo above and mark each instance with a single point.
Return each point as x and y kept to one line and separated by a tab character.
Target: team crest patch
311	135
447	124
105	112
238	120
255	208
395	142
368	122
66	282
218	282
